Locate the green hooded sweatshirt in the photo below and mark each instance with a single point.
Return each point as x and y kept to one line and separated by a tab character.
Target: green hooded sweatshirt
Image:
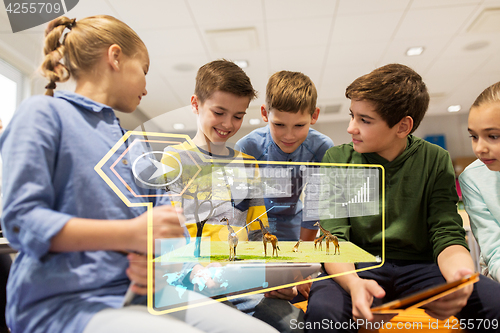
421	217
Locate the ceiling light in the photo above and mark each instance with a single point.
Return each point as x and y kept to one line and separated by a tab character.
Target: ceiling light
254	121
415	51
179	126
241	63
233	40
454	108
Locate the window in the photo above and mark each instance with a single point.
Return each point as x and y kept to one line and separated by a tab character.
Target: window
11	91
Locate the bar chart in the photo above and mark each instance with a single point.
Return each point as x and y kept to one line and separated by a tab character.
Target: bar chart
363	194
336	192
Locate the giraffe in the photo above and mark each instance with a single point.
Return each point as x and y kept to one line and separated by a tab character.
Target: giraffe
267	237
296	246
329	238
232	240
319	241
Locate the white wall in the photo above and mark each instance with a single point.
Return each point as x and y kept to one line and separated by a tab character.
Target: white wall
454	127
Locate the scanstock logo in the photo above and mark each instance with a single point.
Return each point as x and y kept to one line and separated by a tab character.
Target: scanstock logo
25	14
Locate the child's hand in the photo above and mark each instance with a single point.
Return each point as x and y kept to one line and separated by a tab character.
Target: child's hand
137	272
451	304
305	288
362	295
167	223
285	293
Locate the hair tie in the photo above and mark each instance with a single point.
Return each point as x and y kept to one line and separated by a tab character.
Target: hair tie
51	85
71	24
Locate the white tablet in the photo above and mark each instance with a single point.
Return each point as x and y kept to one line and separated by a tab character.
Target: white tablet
236	278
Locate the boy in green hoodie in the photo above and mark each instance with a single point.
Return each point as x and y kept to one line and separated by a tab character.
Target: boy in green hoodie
424	238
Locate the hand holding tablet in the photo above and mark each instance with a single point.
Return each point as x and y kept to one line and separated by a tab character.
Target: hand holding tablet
425	296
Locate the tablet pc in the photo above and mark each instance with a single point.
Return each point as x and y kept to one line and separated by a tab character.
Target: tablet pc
423	297
271	275
236	278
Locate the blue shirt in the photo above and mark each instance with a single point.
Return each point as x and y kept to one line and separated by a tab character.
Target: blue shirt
286	219
49	152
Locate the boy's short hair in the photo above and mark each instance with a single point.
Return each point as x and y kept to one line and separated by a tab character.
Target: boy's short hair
222	75
396	90
291	92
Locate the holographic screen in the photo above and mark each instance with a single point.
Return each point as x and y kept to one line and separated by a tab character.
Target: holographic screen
232	203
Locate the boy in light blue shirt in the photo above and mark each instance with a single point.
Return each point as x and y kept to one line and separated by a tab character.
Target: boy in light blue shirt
290	109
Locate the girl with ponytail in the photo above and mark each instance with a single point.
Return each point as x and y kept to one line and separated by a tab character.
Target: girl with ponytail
480	181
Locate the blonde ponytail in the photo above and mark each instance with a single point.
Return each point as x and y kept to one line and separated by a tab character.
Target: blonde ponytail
83	46
52	68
